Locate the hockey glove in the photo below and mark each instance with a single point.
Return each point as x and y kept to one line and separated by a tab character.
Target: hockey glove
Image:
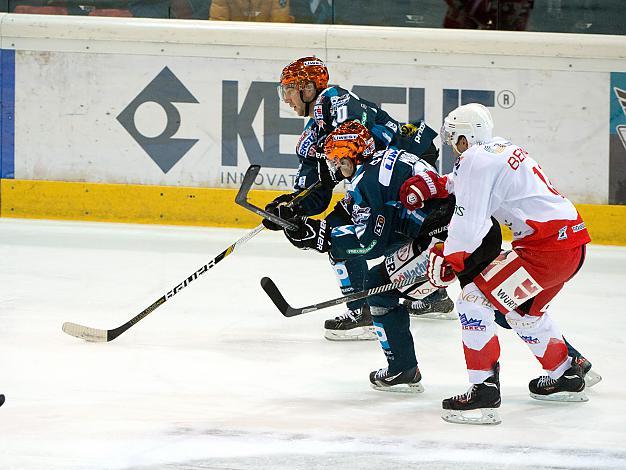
439	271
327	173
422	187
278	207
311	234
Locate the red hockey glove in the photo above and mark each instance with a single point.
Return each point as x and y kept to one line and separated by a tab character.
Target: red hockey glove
439	271
422	187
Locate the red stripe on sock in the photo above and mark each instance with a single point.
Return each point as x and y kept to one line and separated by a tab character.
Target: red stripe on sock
485	358
555	354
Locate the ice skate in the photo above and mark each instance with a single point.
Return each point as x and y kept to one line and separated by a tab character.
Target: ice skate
591	377
569	387
1	399
403	382
437	306
353	325
477	406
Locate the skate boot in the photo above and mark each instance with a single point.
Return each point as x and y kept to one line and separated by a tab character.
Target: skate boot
353	325
568	387
438	306
1	399
591	377
476	406
403	382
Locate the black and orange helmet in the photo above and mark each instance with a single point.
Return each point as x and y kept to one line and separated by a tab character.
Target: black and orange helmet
350	140
302	71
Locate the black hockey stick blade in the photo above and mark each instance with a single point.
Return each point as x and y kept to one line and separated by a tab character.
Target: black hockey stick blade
287	310
242	199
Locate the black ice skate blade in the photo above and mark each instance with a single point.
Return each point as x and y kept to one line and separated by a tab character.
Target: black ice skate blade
479	416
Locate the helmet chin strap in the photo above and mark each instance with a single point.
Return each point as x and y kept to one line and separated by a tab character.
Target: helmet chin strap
307	104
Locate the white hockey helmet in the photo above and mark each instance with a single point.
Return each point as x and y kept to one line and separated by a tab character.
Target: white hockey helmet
471	120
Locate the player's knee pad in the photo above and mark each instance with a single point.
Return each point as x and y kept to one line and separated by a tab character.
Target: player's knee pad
523	322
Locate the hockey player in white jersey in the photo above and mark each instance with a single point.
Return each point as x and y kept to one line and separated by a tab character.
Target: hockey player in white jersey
494	177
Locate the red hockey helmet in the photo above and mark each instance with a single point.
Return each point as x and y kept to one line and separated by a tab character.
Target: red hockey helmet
350	140
302	71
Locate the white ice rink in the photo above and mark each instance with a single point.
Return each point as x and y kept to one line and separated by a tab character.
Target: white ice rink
216	378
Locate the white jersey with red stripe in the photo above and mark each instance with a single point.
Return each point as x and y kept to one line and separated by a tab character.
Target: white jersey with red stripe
499	179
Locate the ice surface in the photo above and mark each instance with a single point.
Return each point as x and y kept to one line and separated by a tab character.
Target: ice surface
216	378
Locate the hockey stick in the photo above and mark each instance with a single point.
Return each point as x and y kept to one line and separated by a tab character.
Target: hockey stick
287	310
242	199
102	336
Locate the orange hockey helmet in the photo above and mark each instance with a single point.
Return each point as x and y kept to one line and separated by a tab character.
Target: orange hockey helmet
302	71
350	140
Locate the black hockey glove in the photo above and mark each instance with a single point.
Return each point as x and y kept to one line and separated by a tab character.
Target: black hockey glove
311	234
277	207
327	173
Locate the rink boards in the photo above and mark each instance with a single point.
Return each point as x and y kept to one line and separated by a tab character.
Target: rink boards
155	121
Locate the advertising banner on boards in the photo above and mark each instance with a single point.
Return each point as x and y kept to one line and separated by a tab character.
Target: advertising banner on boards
197	121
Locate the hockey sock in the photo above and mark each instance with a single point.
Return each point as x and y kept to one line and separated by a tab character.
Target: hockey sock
478	330
571	350
395	338
351	275
544	340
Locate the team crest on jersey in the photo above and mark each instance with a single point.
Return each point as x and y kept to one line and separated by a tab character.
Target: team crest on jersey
562	233
471	324
360	214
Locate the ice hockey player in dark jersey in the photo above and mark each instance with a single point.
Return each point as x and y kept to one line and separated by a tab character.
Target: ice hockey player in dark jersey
380	226
376	225
304	87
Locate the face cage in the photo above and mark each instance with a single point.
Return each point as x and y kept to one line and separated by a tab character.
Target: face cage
446	135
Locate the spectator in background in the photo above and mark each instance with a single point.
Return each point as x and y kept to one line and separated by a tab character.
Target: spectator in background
509	15
312	11
251	10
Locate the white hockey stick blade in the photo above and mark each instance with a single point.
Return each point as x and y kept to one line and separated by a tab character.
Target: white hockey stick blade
592	378
84	332
562	396
478	416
